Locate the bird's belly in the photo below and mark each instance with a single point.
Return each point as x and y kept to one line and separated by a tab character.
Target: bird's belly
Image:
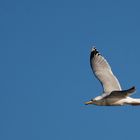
112	101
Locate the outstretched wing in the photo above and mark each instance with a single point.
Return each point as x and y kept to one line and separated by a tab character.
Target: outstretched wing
103	72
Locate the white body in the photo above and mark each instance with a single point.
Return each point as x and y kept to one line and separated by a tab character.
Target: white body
115	101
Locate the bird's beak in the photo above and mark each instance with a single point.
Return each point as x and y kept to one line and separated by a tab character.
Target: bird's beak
89	102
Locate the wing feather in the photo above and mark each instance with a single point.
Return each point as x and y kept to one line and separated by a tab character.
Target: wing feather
103	72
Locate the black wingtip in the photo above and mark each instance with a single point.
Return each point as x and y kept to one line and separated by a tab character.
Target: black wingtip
94	52
93	49
133	88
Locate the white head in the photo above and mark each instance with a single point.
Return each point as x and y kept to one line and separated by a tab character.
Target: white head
95	101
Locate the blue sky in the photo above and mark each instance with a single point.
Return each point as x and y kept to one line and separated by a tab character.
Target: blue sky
45	75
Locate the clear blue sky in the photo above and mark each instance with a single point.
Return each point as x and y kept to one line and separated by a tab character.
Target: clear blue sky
45	76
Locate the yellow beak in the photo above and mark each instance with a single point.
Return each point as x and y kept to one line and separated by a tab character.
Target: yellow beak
89	102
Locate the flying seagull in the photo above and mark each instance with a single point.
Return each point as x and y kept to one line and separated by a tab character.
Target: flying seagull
112	94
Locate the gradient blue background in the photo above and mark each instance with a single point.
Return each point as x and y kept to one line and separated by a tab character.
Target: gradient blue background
45	76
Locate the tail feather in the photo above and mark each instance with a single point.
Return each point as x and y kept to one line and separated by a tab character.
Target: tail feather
135	104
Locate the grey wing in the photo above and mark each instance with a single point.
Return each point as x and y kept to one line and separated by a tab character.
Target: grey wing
122	93
103	72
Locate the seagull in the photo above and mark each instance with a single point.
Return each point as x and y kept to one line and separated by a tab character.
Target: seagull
112	95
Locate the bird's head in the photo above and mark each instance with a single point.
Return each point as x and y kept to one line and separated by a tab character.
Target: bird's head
92	101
